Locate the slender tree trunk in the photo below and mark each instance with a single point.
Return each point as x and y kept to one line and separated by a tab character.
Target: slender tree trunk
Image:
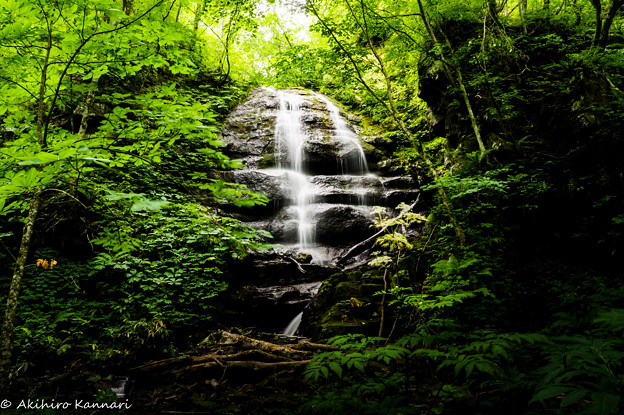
473	119
226	46
598	9
6	336
199	11
577	13
522	6
457	78
41	108
6	341
382	318
390	106
616	5
493	11
486	75
178	13
127	7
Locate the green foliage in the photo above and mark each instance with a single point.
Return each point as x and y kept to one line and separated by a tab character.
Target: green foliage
585	372
520	317
151	288
358	388
104	115
178	265
301	66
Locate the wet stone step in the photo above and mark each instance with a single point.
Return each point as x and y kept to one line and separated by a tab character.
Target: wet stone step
334	224
282	187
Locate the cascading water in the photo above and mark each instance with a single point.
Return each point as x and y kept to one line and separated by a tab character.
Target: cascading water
290	141
289	134
349	139
293	325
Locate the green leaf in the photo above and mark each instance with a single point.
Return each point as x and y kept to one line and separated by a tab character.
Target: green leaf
146	204
359	365
605	403
549	392
573	397
336	368
40	158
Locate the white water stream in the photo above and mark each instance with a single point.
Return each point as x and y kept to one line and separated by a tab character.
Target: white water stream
293	325
290	140
349	140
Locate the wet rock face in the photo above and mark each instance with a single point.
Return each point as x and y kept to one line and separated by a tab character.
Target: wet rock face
249	134
249	129
344	304
336	225
318	179
271	288
304	154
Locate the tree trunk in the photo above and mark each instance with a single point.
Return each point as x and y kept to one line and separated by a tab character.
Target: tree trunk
178	13
522	6
199	11
6	339
360	247
127	7
598	9
226	46
577	13
382	306
454	79
494	11
41	108
390	107
473	119
608	21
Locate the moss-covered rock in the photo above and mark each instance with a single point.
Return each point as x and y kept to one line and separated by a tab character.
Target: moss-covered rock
344	304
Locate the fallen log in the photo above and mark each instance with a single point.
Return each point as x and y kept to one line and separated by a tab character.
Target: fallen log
258	355
236	351
307	346
245	342
163	365
250	365
226	367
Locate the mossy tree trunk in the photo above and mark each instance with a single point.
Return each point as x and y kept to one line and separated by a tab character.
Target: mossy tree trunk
454	75
6	340
604	21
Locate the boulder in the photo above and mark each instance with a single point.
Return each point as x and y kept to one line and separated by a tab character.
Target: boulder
248	130
341	224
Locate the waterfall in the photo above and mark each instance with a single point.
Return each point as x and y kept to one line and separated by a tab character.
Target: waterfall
349	140
290	141
293	325
300	150
289	133
119	387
